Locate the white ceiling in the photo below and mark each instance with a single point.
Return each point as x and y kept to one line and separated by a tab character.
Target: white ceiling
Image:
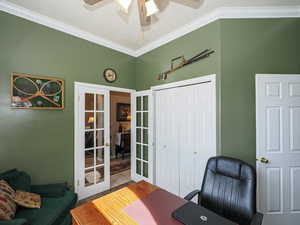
106	24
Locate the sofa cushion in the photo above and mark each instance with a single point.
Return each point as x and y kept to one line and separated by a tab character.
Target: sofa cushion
50	190
7	205
8	172
20	182
16	222
52	210
42	216
27	199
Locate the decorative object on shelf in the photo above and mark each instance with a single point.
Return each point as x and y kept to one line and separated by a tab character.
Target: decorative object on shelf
110	75
36	92
123	112
202	55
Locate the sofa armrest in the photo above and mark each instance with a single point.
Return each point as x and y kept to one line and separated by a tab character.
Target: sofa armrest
257	219
18	221
191	195
50	190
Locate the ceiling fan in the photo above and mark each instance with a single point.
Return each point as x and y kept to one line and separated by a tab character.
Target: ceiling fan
147	8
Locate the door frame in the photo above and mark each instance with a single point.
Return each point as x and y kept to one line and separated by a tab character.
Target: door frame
198	80
78	85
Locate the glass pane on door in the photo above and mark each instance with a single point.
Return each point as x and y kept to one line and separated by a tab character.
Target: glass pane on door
100	156
89	177
89	101
99	174
99	102
89	158
94	139
89	120
89	139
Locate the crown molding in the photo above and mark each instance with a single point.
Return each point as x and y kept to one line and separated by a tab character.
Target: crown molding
223	13
60	26
220	13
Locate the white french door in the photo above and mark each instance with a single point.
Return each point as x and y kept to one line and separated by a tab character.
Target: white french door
142	136
278	148
93	144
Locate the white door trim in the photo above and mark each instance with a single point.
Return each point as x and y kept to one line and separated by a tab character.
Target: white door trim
110	88
197	80
77	85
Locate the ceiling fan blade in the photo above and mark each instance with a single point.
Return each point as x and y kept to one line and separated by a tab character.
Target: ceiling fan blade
190	3
144	19
91	2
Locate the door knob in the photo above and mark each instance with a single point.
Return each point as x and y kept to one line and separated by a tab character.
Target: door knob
263	160
107	144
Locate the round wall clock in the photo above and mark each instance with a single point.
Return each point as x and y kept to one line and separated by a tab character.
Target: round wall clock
110	75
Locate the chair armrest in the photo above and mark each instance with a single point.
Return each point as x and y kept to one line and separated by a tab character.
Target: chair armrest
14	222
50	190
191	195
257	219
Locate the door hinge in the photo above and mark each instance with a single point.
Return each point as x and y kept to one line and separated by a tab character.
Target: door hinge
78	183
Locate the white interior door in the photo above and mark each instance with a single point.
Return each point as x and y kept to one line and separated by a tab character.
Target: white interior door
197	134
278	141
167	138
142	136
185	136
93	141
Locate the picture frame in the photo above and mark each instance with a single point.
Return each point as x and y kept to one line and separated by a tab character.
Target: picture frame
36	92
123	112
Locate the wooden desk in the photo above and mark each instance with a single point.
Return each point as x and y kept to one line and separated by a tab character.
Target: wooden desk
107	210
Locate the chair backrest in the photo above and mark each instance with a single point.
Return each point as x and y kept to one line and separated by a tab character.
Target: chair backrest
229	189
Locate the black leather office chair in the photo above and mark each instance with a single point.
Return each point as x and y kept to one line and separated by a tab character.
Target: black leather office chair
229	189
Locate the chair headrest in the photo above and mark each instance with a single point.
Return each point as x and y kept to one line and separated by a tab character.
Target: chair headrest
231	167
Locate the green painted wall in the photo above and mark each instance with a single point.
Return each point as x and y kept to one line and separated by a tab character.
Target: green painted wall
41	141
149	65
244	47
251	46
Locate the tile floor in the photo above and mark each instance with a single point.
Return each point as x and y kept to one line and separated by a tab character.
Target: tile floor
119	178
117	182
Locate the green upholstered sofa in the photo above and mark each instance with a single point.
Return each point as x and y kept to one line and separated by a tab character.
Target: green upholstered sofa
57	201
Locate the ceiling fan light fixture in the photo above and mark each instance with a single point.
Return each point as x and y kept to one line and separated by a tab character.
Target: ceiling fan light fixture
151	7
125	4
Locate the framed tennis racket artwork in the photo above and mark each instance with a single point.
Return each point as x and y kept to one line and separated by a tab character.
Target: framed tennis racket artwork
36	92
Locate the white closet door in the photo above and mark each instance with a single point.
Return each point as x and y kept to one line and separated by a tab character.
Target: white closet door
185	122
166	134
188	125
197	143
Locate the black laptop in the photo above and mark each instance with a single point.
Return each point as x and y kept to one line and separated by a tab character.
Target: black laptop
193	214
